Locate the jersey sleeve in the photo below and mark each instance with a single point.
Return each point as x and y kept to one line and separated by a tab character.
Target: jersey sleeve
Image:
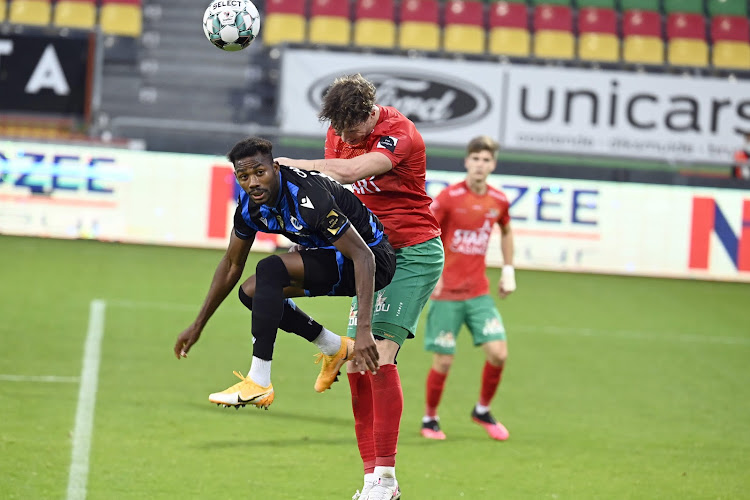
323	215
441	206
330	144
395	144
241	229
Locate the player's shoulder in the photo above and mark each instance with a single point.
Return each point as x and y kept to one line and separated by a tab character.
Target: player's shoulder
456	190
497	194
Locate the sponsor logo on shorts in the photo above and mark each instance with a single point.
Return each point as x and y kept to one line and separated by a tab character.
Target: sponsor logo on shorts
352	316
493	326
381	304
446	340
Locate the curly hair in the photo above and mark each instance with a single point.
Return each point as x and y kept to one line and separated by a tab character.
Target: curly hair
251	147
482	143
347	102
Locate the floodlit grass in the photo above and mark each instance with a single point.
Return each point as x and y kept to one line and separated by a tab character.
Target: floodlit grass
616	388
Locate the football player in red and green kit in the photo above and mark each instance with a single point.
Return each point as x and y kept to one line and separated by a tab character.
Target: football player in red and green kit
380	152
467	212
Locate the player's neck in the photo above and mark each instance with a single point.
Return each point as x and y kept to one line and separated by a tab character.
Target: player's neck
477	186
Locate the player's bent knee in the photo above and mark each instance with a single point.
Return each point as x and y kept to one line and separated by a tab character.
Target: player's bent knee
271	271
246	300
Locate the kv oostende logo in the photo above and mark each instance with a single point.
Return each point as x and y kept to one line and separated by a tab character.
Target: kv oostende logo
429	100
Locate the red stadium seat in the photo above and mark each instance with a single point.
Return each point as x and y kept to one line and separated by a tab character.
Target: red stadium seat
509	29
330	22
419	27
375	24
75	14
731	42
553	32
642	37
686	39
284	22
597	39
464	27
32	12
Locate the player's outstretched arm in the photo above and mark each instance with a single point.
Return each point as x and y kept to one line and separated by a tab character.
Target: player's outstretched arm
351	245
345	170
508	275
226	276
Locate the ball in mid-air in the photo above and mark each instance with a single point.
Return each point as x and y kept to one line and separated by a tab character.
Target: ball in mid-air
231	24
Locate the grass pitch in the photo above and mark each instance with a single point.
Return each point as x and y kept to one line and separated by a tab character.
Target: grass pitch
616	388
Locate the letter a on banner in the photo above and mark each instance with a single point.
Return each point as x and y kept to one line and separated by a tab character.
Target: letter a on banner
707	218
48	74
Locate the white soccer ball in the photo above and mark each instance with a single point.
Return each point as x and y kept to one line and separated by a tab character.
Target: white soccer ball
231	24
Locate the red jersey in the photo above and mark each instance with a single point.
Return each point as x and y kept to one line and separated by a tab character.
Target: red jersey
466	219
397	197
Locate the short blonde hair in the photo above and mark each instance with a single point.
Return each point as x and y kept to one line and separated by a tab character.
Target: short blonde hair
482	143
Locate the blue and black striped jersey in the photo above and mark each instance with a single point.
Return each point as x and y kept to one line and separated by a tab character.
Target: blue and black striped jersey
311	209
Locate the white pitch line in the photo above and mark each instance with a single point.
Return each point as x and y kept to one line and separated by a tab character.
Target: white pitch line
37	378
79	466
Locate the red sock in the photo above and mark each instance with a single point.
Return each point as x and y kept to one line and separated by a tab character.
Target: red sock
434	391
490	380
361	389
388	404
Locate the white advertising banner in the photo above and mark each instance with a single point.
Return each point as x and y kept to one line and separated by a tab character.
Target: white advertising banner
446	106
559	224
573	111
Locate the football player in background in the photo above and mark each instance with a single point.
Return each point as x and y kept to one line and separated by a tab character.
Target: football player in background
467	212
382	154
341	250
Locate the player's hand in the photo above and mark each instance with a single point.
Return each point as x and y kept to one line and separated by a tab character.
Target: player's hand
295	248
366	357
507	281
185	341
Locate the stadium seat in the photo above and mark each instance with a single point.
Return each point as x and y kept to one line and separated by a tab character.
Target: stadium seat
33	12
464	27
597	39
420	25
603	4
121	17
731	42
686	39
3	8
509	29
683	6
642	37
330	22
553	35
727	8
75	14
374	24
284	22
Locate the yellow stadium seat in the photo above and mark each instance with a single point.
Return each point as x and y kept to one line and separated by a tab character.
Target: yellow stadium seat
643	49
599	47
282	27
509	42
553	44
35	12
731	54
75	14
419	35
121	19
330	30
378	33
2	10
464	38
687	52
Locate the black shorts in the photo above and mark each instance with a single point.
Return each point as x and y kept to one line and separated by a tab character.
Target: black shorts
328	272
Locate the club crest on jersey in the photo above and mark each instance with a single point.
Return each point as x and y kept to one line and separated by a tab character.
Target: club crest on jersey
388	142
295	223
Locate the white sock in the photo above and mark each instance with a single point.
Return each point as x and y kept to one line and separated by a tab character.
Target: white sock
482	409
370	477
328	342
381	471
427	418
260	372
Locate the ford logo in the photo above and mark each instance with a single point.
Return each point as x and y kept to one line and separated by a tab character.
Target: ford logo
430	101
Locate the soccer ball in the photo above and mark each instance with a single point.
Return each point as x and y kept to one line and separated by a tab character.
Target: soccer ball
231	24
